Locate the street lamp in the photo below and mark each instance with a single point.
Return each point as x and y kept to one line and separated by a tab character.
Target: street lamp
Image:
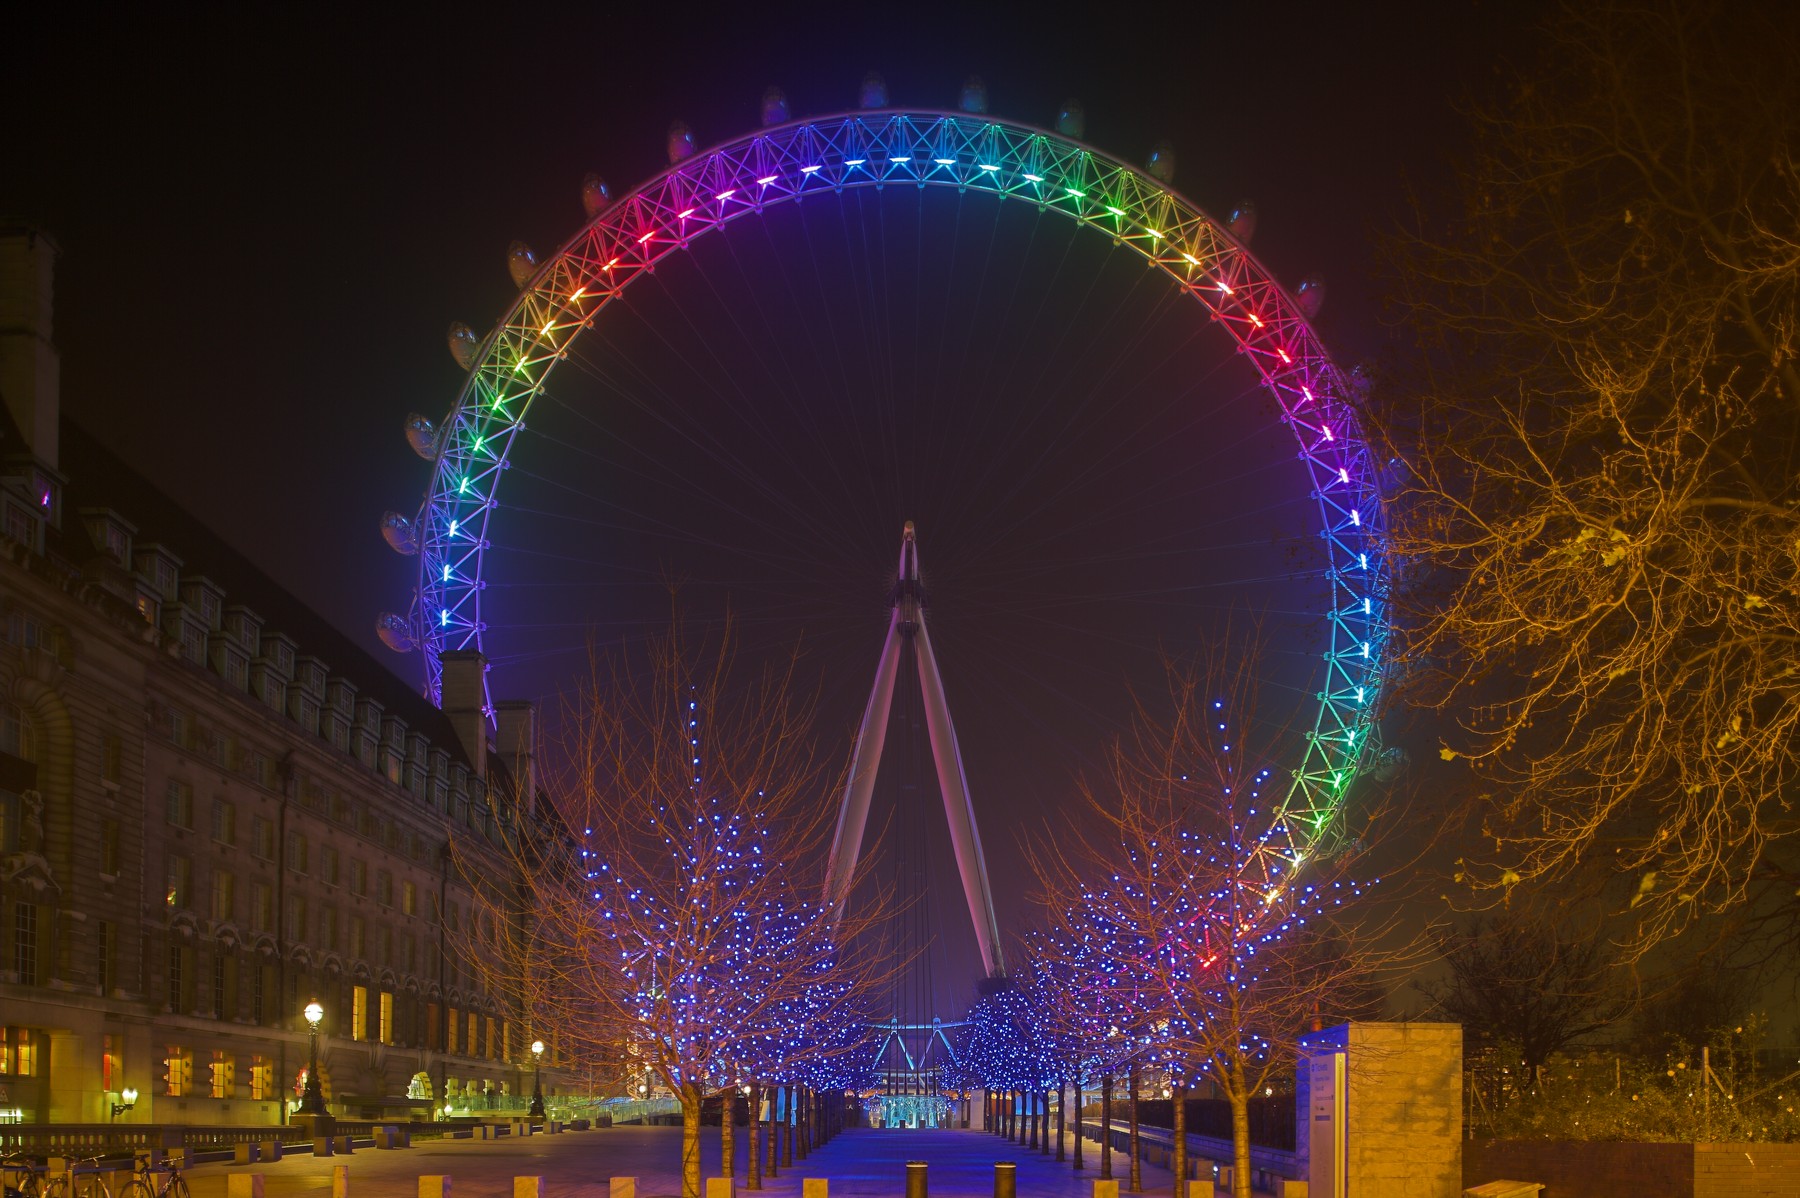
127	1100
537	1080
312	1102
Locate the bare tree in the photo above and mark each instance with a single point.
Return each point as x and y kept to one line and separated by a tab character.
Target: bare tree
1596	508
1195	922
677	912
1530	983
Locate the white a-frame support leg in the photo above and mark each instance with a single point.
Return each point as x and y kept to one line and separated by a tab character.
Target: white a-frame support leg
908	623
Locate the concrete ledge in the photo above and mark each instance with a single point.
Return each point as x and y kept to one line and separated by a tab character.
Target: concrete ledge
244	1185
434	1185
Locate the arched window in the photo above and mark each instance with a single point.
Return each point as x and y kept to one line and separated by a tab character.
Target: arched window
17	736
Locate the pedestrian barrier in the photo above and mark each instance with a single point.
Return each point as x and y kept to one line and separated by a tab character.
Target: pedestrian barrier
718	1187
1106	1189
624	1187
815	1187
244	1154
268	1150
528	1187
244	1185
1006	1179
434	1185
916	1186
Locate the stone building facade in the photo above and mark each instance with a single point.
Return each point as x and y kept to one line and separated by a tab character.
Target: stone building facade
215	808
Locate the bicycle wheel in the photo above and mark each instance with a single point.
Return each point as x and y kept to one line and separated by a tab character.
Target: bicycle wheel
178	1188
56	1187
92	1186
137	1187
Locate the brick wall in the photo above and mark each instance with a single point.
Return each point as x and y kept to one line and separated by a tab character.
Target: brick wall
1599	1169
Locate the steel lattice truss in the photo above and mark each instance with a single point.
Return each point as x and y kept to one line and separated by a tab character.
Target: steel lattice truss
928	149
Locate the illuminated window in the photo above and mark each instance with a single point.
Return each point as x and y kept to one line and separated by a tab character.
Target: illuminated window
386	1028
178	1072
473	1047
262	1079
451	1028
178	876
490	1037
224	1074
409	898
359	1013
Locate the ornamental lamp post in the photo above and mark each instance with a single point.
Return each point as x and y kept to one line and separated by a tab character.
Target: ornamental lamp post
537	1079
127	1100
312	1101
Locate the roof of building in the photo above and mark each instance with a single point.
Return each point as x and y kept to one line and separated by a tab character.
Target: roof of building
99	478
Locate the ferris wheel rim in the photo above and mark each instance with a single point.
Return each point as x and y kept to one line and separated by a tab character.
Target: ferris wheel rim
529	342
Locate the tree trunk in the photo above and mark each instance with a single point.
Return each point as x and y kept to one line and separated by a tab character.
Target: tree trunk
1106	1091
728	1134
1078	1164
803	1117
1240	1139
691	1098
787	1126
1062	1117
1044	1094
774	1162
1031	1119
753	1164
1178	1158
1137	1172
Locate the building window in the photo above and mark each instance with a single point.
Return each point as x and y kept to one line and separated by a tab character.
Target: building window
385	1029
109	847
224	822
178	1072
490	1037
359	1012
409	898
112	757
178	874
473	1041
328	928
451	1028
25	943
224	895
387	945
262	1079
107	946
359	878
262	838
177	979
384	888
261	907
224	1074
221	985
296	919
358	943
17	736
10	817
261	975
328	864
296	852
408	953
193	643
18	1053
178	803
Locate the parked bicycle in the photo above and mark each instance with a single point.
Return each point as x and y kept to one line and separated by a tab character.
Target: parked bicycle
143	1183
36	1181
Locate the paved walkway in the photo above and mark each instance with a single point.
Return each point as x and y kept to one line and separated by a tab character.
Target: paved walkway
859	1164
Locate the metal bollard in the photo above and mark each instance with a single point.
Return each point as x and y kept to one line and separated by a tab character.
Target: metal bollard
1006	1179
915	1179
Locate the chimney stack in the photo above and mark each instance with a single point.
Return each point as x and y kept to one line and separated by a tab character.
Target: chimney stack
30	368
462	692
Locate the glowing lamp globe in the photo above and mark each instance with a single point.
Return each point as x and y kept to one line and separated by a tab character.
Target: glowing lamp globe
314	1012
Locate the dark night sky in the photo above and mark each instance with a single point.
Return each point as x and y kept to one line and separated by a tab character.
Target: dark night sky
268	223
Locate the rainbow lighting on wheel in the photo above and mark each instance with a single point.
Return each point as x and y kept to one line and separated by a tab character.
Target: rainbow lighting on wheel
706	191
